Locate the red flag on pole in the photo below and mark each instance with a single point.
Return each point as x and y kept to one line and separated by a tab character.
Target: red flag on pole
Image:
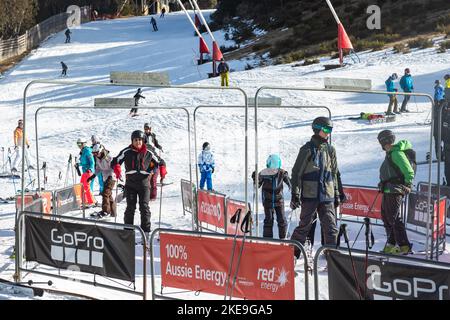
197	21
217	54
203	47
343	39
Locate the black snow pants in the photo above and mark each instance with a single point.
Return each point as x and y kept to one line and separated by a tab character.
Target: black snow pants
133	190
392	219
268	221
447	163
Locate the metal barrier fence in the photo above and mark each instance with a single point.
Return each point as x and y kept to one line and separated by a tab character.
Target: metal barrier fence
21	249
181	252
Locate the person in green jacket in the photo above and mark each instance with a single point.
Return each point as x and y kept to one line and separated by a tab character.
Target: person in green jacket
396	177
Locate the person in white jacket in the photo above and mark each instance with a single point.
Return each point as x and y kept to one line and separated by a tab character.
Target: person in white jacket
206	166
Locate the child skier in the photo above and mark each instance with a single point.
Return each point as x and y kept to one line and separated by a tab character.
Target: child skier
271	179
206	166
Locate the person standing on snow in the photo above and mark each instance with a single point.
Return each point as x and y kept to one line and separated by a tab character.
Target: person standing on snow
396	177
18	137
315	184
223	69
67	33
103	169
406	83
438	100
206	165
447	81
390	87
64	69
271	180
137	97
152	144
153	22
87	164
95	141
446	140
163	11
139	164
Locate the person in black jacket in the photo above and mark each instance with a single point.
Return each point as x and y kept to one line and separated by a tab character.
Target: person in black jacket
139	164
445	135
137	97
67	33
223	69
271	179
64	69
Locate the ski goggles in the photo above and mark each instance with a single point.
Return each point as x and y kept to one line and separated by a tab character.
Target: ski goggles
326	129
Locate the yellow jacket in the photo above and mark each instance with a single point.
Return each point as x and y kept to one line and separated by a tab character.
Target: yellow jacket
18	134
447	83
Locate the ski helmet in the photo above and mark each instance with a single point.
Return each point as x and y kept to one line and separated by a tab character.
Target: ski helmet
97	148
386	137
147	125
273	161
394	76
437	82
20	122
322	123
407	70
81	141
137	134
447	76
206	146
94	139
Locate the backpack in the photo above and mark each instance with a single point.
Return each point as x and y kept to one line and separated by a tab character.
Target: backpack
411	156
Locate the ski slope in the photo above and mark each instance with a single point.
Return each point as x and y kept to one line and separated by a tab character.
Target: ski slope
99	47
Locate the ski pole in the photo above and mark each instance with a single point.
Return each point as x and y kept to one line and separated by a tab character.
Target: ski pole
234	219
368	246
368	212
160	205
343	230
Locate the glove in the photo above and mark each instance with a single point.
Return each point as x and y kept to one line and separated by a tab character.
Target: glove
91	178
162	172
253	176
406	189
16	147
28	146
342	198
212	171
118	171
337	202
295	201
380	186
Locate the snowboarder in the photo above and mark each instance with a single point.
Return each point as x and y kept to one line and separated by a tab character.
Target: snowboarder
137	97
396	177
223	69
390	87
95	141
139	164
438	100
87	164
18	137
271	179
446	140
406	82
103	169
314	184
64	69
67	33
153	22
206	165
163	11
152	144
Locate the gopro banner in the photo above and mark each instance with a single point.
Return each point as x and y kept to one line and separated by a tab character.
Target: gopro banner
385	280
211	208
68	199
81	247
443	190
199	263
360	200
418	213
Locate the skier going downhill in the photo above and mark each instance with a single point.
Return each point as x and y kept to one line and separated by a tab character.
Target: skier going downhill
137	97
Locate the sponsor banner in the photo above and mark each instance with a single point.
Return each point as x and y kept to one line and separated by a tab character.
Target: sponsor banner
386	280
232	207
81	247
211	208
417	212
187	190
197	263
443	190
36	202
360	200
68	199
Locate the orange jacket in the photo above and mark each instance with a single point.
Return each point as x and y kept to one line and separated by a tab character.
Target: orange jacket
18	134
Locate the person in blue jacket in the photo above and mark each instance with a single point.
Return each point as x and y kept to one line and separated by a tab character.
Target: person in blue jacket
87	164
406	83
206	165
390	87
438	100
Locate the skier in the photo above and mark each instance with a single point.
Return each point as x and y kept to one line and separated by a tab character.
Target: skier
390	87
95	141
139	164
446	140
206	166
367	116
163	11
438	100
223	69
87	164
18	137
396	177
103	169
64	69
67	33
152	144
406	82
447	81
271	179
137	97
314	184
153	22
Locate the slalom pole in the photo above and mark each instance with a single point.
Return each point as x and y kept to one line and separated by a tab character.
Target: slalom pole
190	19
204	20
236	218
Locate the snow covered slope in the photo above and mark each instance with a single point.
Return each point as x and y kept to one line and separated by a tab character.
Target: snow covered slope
130	45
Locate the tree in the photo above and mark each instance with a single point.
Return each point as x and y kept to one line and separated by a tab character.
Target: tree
16	17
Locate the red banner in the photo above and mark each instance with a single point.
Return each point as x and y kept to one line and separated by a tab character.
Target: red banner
441	218
36	202
232	207
197	263
211	208
360	201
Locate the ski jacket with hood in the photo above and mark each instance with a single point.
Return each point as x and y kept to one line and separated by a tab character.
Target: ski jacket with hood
314	175
271	180
87	161
103	166
206	161
389	176
406	83
439	92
